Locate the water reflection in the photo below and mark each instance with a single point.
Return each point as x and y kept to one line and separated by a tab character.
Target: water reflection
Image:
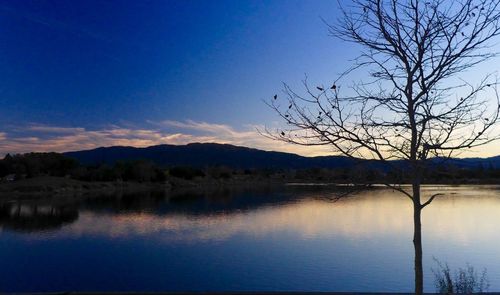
259	239
220	214
30	217
308	217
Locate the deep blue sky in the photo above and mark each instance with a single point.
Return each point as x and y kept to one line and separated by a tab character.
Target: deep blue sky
125	64
88	64
82	74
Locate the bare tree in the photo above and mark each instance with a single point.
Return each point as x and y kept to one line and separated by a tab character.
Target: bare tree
413	104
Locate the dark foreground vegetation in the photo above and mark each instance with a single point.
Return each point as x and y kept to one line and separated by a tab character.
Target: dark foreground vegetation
32	165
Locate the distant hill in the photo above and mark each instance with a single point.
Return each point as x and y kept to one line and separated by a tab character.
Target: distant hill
212	154
207	154
492	162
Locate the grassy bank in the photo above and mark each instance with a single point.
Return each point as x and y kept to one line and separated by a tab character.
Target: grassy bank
61	185
50	185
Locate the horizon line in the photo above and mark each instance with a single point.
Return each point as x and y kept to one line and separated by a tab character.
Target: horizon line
223	144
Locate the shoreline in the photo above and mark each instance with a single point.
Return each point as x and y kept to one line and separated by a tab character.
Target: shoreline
59	186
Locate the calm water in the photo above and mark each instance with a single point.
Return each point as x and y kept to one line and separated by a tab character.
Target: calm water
272	239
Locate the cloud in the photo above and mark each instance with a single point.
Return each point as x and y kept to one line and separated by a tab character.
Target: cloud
46	138
52	129
249	137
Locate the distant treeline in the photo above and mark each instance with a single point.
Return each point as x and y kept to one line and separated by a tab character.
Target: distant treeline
31	165
53	164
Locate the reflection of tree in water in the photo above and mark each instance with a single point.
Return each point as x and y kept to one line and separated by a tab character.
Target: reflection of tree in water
124	202
198	201
28	217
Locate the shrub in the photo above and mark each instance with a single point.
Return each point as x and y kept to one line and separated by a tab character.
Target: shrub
186	172
465	280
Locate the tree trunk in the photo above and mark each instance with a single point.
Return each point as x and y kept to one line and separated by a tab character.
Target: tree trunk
417	240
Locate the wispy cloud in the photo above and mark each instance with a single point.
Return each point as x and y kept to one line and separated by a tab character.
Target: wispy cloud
45	138
249	136
53	129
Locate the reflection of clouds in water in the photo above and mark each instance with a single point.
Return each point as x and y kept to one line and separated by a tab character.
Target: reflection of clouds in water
372	215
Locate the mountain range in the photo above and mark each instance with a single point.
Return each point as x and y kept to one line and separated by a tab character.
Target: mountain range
214	154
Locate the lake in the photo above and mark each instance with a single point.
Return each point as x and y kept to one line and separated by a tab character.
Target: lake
268	239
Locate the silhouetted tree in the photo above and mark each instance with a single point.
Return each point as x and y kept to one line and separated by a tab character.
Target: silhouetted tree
412	105
186	172
36	164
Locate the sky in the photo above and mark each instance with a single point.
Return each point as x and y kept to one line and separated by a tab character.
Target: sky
83	74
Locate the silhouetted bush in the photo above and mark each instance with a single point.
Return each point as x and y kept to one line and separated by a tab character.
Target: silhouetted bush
465	280
139	170
220	172
186	172
36	164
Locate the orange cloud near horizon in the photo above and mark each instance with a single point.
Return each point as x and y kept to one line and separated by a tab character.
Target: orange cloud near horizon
45	138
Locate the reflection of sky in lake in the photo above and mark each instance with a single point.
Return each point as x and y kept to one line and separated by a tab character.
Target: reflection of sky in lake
357	244
306	218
